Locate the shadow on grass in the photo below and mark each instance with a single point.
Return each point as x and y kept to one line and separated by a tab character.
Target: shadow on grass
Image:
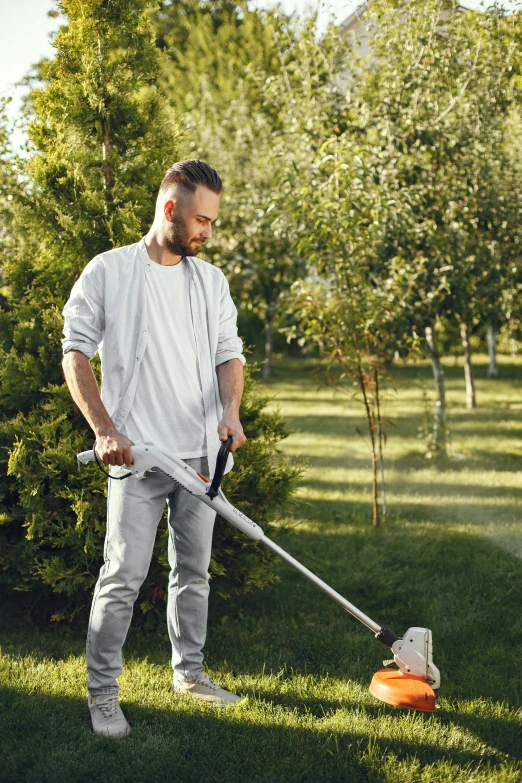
407	508
464	588
506	454
508	461
49	739
302	368
502	734
444	494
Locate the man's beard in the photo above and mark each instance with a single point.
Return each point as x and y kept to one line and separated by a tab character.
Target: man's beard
178	238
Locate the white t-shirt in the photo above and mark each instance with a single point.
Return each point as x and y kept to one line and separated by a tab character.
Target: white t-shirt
168	407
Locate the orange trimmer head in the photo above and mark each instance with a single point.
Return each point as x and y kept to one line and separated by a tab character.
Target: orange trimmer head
403	690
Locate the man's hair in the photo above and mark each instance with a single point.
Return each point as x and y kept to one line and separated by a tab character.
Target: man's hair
186	175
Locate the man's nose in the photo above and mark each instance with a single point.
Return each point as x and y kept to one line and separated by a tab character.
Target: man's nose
207	232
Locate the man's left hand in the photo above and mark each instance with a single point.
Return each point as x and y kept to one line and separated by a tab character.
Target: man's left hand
230	425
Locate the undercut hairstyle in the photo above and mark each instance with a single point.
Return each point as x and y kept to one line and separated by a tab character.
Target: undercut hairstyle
186	175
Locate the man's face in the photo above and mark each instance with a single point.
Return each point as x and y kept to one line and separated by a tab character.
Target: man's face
189	221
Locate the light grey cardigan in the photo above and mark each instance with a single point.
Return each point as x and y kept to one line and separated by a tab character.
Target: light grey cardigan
107	312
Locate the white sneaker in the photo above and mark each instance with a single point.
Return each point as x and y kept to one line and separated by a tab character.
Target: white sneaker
107	716
206	689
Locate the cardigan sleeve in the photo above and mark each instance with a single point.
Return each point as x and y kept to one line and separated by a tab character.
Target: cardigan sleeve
84	312
229	345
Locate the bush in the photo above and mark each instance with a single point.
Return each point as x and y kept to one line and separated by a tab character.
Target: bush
52	519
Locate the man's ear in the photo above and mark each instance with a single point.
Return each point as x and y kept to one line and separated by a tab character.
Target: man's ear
169	208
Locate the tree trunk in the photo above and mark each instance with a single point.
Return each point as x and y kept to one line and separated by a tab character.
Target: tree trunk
381	438
106	166
512	342
492	350
269	343
375	499
439	416
106	138
471	400
371	427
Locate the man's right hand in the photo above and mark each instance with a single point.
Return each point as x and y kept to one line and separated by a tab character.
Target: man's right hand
114	449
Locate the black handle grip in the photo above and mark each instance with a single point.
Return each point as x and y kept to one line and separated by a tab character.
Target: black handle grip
221	463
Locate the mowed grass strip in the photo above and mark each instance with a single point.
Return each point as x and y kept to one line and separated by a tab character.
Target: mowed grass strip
303	663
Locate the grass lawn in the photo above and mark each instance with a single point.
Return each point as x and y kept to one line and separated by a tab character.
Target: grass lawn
449	557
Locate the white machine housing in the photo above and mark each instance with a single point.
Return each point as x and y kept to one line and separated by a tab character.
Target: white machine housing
413	654
148	457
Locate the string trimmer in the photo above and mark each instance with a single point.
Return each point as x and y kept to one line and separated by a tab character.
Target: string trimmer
409	679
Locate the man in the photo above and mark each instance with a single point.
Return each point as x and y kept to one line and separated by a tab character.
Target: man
172	374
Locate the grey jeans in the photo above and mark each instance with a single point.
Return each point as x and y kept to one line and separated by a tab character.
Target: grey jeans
134	510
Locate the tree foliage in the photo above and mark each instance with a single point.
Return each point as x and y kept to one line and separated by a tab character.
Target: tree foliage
101	136
217	77
395	180
448	78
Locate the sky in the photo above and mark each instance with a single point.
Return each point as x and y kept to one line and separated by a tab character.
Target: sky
25	37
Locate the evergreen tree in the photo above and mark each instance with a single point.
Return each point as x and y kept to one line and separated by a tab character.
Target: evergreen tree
100	139
7	169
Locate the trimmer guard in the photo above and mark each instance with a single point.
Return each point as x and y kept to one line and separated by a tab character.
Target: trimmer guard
403	690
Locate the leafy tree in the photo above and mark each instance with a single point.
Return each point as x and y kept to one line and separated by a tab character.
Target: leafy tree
489	240
101	136
255	252
324	201
381	188
213	45
216	77
440	102
510	314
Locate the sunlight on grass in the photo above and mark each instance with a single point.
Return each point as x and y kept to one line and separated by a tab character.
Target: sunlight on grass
349	715
479	485
301	662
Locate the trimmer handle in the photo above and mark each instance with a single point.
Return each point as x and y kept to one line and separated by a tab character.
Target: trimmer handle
86	456
221	463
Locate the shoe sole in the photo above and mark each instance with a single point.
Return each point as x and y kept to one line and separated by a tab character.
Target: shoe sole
112	736
206	699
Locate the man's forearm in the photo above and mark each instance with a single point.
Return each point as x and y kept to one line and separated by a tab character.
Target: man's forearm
231	385
84	390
